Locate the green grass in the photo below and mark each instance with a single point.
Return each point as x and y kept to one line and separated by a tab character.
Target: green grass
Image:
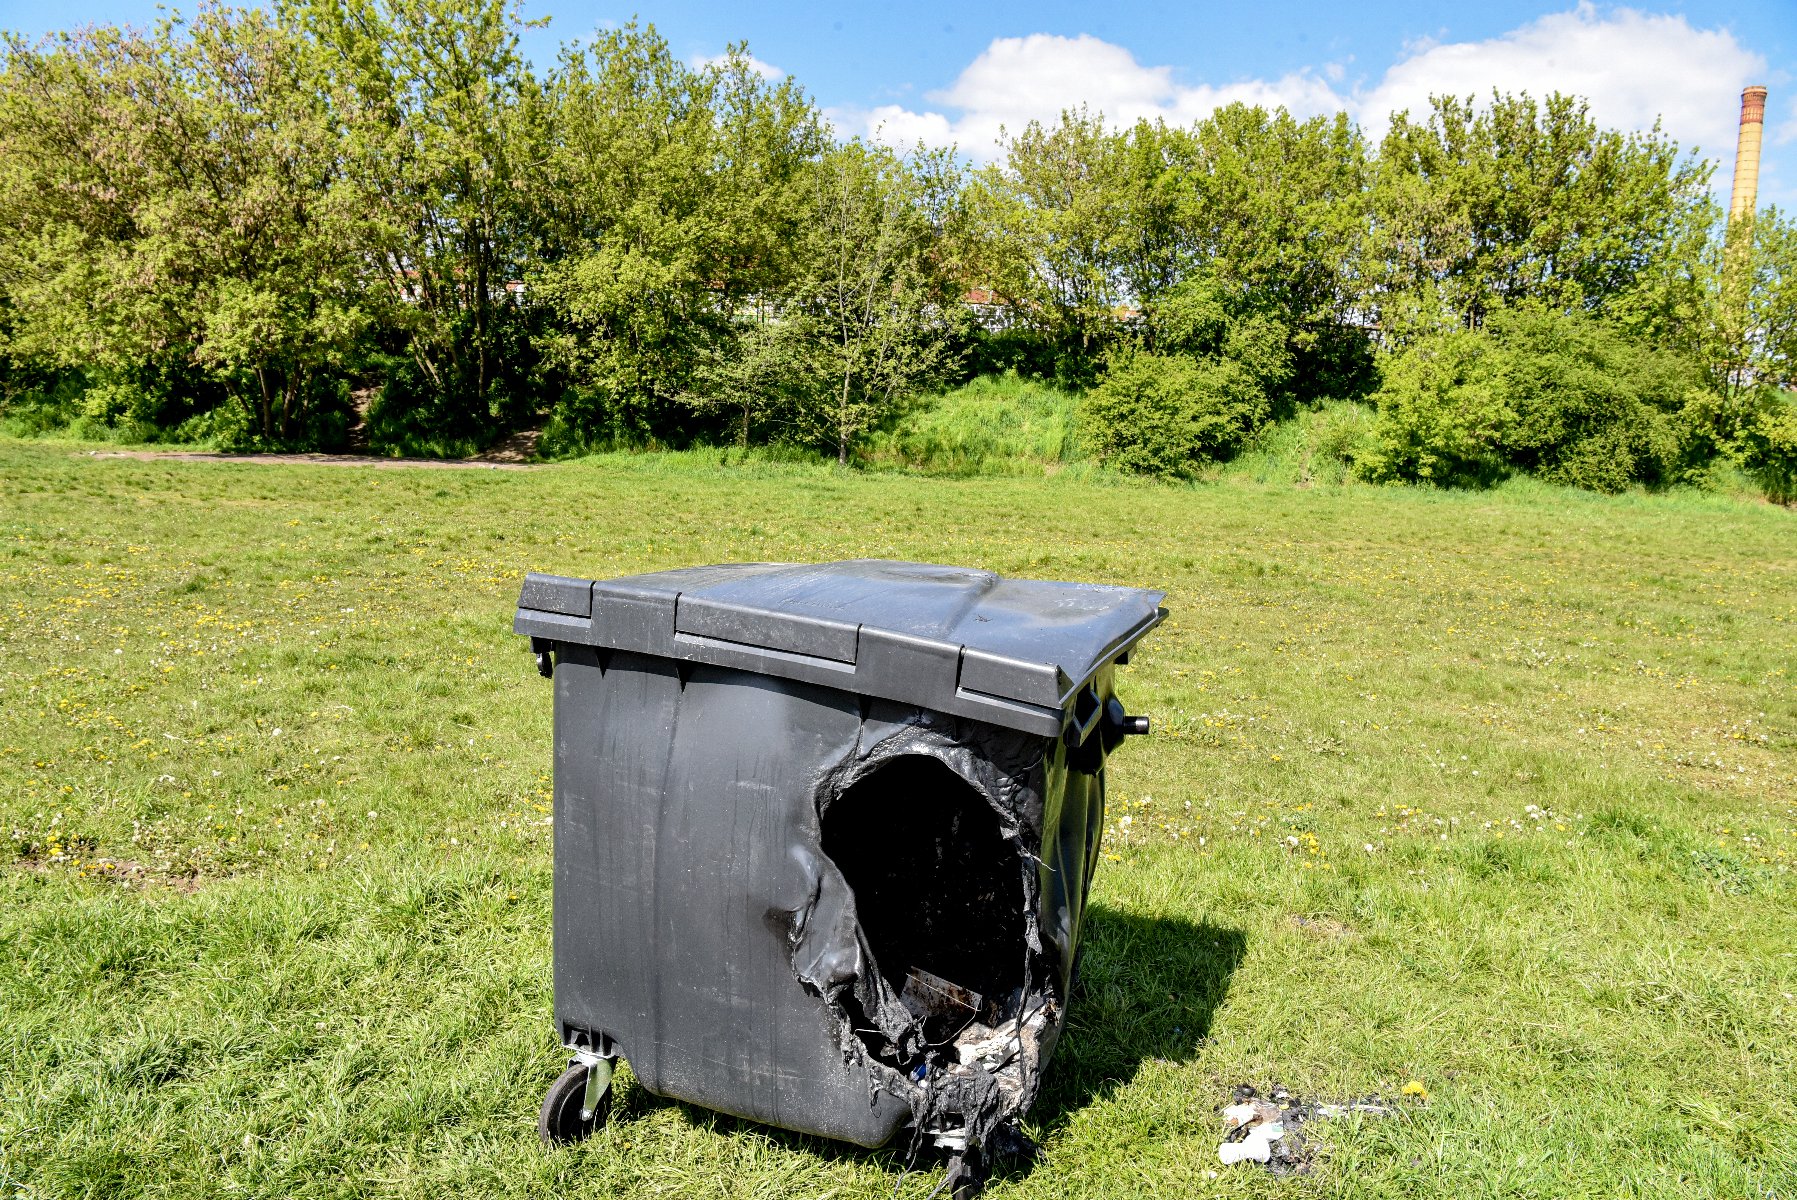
994	425
1314	446
276	900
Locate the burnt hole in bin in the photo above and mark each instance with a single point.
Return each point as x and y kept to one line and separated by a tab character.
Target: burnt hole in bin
937	886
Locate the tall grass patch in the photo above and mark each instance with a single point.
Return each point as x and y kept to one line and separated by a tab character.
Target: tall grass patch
994	425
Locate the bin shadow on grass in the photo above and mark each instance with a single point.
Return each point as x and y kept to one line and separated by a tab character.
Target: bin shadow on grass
1148	989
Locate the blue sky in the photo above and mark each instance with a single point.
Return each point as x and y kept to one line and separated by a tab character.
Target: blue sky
957	72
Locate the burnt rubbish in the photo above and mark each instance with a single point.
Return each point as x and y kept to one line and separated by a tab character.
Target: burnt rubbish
825	834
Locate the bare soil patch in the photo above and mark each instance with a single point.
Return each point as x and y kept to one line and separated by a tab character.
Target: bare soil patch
487	462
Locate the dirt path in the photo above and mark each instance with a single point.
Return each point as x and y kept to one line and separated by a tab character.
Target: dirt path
509	455
519	447
512	453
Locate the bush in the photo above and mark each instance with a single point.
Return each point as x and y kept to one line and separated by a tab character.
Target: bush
1768	450
1440	419
228	427
1200	319
1560	396
33	403
1593	409
1211	369
1169	414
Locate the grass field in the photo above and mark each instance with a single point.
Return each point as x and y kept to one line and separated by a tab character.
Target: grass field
1496	792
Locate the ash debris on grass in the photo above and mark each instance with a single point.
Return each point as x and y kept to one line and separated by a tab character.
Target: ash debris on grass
1270	1129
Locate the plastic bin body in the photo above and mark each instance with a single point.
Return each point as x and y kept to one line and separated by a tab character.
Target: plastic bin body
719	730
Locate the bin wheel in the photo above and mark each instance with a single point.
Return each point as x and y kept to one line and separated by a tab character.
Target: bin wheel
559	1121
966	1175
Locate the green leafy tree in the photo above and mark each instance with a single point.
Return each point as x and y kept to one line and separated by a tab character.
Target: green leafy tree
1727	300
1048	231
1478	208
1082	230
425	96
1754	268
1275	212
761	376
80	171
179	185
279	300
865	306
666	213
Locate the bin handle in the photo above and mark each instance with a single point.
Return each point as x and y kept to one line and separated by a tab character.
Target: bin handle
1087	713
1124	723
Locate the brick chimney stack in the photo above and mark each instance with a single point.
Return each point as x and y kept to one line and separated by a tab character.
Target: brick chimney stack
1747	154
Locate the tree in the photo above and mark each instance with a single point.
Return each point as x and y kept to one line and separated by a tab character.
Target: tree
1732	306
1477	208
762	375
1282	210
180	189
1271	213
79	172
864	307
425	97
279	302
1049	233
1759	317
667	204
1083	230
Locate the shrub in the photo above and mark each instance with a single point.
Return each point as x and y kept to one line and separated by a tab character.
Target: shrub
1168	414
1200	319
1593	409
1558	395
1768	450
1440	419
1210	371
35	402
228	427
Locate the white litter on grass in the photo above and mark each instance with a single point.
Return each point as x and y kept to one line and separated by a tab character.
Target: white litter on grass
1256	1147
1271	1130
1236	1116
1342	1110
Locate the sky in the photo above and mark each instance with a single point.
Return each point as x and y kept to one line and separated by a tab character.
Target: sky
958	73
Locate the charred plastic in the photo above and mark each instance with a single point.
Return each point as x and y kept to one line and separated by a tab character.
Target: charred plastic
824	834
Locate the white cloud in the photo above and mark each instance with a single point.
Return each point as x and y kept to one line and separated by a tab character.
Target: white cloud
1018	80
1632	66
767	71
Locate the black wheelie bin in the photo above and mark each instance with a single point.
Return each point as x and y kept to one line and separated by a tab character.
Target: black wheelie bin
824	836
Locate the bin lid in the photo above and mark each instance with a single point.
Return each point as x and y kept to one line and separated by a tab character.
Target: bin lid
1015	652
